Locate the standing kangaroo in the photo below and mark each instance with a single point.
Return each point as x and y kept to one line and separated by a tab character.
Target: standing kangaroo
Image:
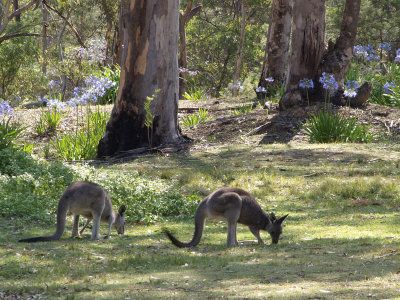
90	200
235	206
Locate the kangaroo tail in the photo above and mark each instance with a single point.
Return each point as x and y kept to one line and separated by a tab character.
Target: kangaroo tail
61	215
199	219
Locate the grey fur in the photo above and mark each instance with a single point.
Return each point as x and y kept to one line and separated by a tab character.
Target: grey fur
89	200
235	206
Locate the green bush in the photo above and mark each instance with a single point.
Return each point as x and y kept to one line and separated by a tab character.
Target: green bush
113	74
328	127
195	119
82	144
243	109
29	188
9	132
49	120
147	200
194	95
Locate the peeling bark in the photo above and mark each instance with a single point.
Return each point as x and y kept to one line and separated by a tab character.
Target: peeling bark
150	62
336	60
277	48
309	60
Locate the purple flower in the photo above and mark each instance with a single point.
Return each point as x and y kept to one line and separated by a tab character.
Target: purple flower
387	88
261	89
397	59
269	79
237	85
53	84
56	104
6	109
95	88
350	93
373	57
351	85
385	46
328	81
94	53
306	83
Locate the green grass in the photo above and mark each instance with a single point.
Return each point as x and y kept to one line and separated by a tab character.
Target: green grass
340	241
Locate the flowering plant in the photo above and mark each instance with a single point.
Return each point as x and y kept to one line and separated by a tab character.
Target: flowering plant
306	84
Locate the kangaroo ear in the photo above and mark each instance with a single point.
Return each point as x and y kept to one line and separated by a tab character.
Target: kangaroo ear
272	217
121	210
280	220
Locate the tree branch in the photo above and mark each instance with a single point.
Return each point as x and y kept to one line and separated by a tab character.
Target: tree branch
67	22
6	18
13	35
194	11
21	10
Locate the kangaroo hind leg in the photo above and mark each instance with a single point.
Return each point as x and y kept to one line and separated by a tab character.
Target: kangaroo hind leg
75	227
96	227
232	214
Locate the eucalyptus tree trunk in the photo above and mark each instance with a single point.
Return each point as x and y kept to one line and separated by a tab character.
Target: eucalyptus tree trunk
239	54
309	59
184	18
277	48
307	47
337	58
117	42
45	44
150	63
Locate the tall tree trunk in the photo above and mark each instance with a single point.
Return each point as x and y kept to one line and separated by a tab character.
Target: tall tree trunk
150	39
308	60
45	17
336	60
277	48
184	18
117	43
307	48
239	54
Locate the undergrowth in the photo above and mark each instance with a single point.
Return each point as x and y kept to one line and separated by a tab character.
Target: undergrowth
30	190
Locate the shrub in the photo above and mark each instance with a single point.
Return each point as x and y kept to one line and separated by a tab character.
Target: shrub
147	200
327	127
82	144
49	120
243	109
113	75
9	132
194	95
195	119
29	188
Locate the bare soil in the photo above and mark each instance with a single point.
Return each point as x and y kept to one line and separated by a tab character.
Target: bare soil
261	125
269	125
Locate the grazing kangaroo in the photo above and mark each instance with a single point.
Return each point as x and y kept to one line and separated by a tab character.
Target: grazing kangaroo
90	200
235	206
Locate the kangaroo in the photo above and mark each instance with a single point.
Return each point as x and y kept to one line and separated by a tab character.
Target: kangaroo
235	206
90	200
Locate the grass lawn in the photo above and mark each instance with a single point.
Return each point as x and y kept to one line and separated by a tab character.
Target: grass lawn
340	241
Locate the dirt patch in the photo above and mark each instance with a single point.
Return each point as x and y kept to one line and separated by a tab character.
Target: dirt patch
260	125
272	126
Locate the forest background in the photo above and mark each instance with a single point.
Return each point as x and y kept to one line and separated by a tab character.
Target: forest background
341	239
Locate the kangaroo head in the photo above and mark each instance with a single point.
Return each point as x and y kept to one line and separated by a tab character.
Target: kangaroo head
274	227
120	221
